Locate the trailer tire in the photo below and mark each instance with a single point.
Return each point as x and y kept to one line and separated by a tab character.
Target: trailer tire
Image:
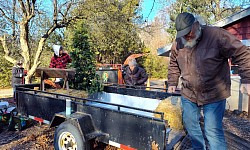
67	135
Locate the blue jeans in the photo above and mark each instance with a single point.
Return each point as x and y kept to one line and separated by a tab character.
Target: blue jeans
213	127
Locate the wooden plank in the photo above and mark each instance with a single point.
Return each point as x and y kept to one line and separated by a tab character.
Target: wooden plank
55	72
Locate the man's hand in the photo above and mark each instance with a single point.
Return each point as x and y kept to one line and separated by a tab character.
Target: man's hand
245	88
171	89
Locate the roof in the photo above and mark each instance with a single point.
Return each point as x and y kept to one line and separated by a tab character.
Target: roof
164	51
234	17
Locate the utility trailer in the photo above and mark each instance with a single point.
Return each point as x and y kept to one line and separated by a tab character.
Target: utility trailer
118	116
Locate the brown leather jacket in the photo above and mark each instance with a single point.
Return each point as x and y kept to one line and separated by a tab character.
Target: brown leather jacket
204	70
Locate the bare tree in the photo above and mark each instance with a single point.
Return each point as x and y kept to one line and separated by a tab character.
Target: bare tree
19	15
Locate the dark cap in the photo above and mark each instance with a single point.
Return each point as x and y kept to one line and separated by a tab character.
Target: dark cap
20	61
183	24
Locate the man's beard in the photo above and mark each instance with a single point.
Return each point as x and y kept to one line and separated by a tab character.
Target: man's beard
191	43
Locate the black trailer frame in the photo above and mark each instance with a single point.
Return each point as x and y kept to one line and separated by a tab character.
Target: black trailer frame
107	125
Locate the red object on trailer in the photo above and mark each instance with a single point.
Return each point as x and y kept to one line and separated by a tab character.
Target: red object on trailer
112	73
23	78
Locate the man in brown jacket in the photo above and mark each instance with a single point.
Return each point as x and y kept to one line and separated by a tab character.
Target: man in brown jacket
199	57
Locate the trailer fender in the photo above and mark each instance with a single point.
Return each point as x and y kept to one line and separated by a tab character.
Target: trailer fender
57	119
83	122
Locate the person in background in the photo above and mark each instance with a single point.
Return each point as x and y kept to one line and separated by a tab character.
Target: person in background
125	66
135	75
124	70
60	58
199	56
17	76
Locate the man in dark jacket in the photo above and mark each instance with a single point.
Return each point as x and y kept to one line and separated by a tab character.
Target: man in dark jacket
199	56
135	75
17	76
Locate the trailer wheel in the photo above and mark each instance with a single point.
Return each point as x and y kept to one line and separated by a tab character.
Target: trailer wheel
67	136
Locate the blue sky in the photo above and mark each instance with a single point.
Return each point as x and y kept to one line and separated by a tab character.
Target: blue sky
147	5
157	5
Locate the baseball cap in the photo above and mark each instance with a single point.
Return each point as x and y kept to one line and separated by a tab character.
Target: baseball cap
183	23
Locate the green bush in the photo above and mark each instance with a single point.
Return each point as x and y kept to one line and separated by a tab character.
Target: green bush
156	66
6	73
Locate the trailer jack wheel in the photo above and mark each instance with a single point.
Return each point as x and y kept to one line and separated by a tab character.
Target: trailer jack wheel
68	137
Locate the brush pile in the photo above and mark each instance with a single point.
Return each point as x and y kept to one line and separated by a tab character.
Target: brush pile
70	92
172	112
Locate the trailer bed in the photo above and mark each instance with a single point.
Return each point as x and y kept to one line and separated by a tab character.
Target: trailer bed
132	126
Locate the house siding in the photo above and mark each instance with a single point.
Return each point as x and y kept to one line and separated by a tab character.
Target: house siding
240	28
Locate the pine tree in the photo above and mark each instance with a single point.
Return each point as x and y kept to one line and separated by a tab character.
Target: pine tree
83	60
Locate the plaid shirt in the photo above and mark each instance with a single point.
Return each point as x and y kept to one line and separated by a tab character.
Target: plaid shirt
60	62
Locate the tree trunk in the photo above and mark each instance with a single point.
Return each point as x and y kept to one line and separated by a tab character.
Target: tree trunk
24	41
27	12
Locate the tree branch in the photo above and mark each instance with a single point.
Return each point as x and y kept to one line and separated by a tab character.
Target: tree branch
55	11
6	50
5	16
23	7
31	9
